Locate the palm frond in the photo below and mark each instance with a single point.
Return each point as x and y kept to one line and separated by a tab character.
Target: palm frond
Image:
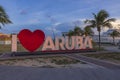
4	18
88	31
107	24
110	20
103	13
95	16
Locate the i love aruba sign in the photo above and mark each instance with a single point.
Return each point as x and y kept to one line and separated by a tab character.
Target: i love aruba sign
33	40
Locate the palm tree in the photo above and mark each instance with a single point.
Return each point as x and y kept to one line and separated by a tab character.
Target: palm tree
88	31
78	31
4	19
100	21
70	33
114	34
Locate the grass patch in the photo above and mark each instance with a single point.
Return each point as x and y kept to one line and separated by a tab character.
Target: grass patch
97	48
7	48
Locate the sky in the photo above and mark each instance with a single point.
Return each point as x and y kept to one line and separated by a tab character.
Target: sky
54	15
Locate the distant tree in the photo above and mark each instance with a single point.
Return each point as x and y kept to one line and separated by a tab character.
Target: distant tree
88	31
70	33
78	31
99	21
114	34
4	19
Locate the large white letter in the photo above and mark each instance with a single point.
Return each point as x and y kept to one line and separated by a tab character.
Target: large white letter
48	44
87	43
56	43
59	43
79	42
70	42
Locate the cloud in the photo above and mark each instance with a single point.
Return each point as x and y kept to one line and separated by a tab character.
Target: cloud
23	12
56	24
38	13
51	18
34	21
116	24
51	29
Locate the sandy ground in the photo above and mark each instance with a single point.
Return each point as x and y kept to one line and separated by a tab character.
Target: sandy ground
47	62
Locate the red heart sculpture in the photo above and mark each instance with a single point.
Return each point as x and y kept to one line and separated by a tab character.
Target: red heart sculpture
31	40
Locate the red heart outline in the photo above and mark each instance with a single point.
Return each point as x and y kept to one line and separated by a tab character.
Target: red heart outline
31	40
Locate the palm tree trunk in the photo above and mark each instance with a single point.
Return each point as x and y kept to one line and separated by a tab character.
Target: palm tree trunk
113	40
99	41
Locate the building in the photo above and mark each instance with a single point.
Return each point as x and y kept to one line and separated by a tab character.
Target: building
106	38
5	39
64	34
108	32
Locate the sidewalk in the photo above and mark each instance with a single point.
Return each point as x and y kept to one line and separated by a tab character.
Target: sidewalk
26	73
112	48
104	71
102	63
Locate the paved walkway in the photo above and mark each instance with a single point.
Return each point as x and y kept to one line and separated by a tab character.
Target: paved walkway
26	73
112	48
108	71
102	63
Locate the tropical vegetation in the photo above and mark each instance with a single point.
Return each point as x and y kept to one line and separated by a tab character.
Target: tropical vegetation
4	18
77	31
114	34
99	21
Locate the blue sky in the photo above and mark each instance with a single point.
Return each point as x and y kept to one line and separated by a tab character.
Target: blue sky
48	14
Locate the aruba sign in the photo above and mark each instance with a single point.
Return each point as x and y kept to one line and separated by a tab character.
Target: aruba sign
33	40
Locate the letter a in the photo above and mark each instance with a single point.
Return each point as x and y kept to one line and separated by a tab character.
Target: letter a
48	44
87	43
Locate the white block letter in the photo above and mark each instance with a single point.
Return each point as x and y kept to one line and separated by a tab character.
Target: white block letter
70	43
79	42
48	44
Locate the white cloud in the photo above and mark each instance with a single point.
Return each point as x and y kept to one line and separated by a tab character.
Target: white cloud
23	12
34	21
56	24
52	29
116	24
38	14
